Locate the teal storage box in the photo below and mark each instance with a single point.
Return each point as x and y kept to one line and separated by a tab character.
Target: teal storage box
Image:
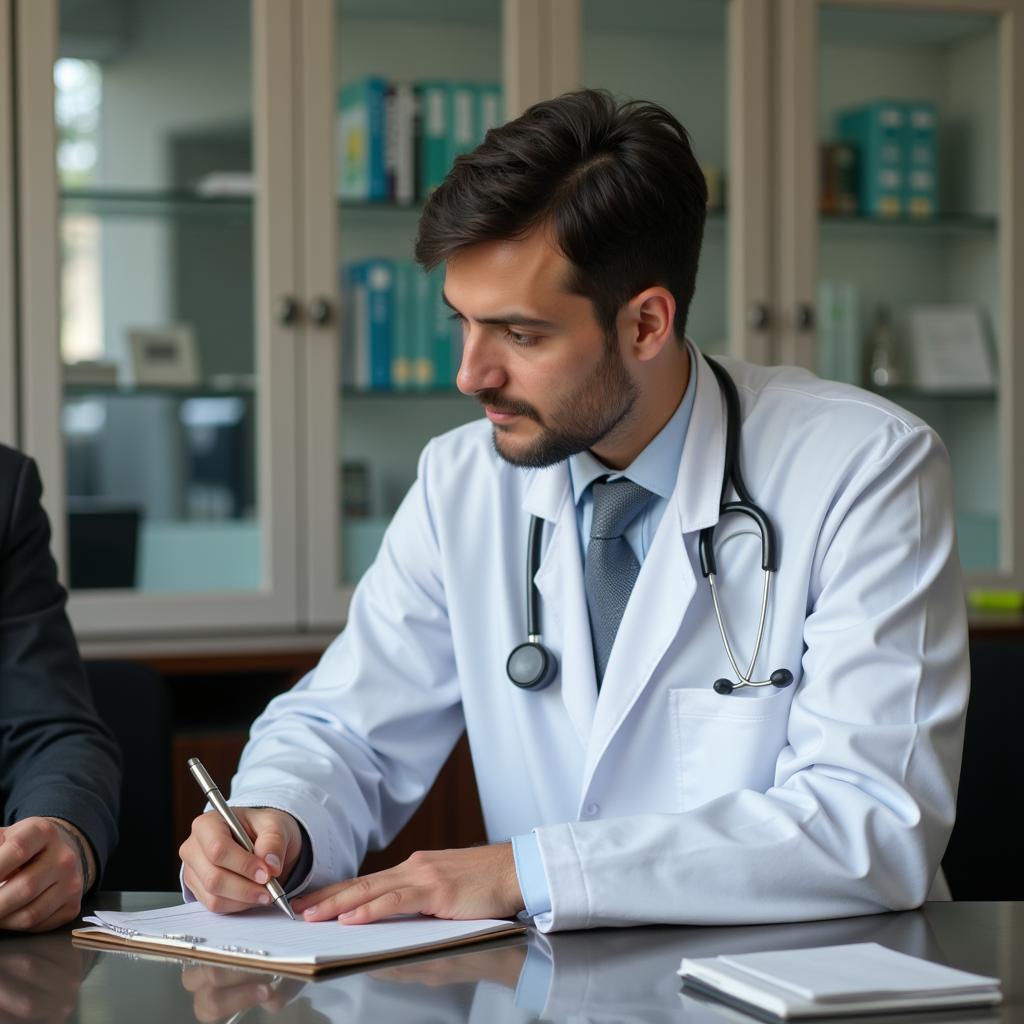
921	161
878	131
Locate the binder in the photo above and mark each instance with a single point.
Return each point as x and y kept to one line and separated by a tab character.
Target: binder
380	298
402	337
433	142
490	113
361	140
423	329
401	144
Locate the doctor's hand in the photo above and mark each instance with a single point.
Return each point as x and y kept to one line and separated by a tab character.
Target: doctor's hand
223	876
465	884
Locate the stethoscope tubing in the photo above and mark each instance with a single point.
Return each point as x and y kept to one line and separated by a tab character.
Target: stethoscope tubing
532	666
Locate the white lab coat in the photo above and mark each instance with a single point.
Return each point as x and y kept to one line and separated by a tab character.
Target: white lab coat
661	801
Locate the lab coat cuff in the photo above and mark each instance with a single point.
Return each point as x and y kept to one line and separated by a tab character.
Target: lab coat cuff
563	869
530	874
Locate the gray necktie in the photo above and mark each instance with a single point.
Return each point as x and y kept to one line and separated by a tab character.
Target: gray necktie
612	567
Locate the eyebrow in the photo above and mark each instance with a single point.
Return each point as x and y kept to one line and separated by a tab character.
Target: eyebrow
515	317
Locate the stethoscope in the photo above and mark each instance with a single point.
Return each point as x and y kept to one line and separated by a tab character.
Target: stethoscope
531	666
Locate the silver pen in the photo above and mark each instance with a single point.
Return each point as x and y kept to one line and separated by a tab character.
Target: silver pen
213	794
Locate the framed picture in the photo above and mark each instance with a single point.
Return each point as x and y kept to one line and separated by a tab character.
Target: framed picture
950	349
163	356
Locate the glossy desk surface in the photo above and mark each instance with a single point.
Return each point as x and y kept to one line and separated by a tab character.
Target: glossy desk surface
608	975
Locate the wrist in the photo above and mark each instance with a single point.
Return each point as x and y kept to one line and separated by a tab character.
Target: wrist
81	845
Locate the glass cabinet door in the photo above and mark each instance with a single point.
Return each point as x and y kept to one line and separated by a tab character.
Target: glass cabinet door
167	158
914	234
412	86
676	54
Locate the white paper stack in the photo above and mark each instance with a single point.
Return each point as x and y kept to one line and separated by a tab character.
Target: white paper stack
835	980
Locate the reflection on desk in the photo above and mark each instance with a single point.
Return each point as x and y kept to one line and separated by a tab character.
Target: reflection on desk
607	975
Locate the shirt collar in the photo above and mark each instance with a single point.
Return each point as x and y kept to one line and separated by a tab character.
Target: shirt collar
657	466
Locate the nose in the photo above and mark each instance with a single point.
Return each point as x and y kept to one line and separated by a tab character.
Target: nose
481	368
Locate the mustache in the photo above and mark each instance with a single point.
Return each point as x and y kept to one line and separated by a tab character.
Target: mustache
496	402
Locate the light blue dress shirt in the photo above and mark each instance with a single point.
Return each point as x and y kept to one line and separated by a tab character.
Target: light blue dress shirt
655	468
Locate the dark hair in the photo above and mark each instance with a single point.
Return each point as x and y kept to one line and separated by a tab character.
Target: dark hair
618	184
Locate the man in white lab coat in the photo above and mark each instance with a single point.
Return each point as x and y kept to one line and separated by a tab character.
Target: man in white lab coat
629	790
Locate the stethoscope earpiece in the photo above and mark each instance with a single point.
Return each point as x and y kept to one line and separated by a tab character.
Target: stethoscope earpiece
723	686
781	677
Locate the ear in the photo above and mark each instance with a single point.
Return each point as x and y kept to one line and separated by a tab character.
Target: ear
650	317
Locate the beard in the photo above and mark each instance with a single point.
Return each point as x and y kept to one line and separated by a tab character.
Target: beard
579	421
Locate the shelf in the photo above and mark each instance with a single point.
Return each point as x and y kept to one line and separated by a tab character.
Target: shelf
191	204
76	390
945	225
359	393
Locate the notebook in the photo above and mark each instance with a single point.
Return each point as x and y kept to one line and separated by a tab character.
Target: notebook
265	937
836	980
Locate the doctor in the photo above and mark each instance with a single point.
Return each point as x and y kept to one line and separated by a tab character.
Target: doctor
628	789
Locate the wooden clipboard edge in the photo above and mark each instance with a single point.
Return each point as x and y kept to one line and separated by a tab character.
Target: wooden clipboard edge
105	941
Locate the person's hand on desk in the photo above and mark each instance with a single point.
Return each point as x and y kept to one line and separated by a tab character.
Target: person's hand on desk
45	866
226	879
456	884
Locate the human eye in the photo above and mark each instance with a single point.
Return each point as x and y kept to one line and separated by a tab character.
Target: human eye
522	340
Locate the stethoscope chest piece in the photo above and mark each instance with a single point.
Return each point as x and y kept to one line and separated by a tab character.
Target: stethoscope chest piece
531	666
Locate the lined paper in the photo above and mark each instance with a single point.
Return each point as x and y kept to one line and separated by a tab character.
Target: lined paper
264	933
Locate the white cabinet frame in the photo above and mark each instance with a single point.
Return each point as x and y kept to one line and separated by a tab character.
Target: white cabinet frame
325	597
751	223
95	614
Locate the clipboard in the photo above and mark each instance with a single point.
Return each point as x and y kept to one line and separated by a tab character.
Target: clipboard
198	934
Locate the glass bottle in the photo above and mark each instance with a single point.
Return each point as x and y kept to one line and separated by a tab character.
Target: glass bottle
885	370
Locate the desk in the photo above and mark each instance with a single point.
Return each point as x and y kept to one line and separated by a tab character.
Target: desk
608	975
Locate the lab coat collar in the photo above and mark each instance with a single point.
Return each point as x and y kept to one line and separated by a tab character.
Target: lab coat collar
698	490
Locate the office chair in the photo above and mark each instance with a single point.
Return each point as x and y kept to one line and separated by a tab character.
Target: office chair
134	702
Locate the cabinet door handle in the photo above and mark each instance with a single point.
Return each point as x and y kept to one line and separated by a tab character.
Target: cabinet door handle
757	316
804	316
320	311
287	310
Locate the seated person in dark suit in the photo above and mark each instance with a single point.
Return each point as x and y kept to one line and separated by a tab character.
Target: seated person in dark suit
59	766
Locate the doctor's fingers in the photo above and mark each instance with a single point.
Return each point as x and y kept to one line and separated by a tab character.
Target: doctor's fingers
277	841
350	908
211	845
223	892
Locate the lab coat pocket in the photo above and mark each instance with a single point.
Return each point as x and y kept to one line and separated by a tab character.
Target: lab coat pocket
725	743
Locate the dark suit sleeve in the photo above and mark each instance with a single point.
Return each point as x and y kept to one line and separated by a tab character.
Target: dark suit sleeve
56	756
